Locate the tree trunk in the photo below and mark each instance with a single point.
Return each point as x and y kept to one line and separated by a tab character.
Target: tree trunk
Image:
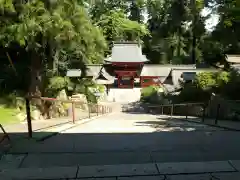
36	79
194	32
35	88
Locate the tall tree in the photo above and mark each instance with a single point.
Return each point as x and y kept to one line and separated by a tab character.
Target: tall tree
136	9
111	16
34	26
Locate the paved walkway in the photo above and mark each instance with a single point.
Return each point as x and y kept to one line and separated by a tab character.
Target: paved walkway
214	170
232	125
125	139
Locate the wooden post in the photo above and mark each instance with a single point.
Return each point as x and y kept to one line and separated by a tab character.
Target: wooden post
186	111
132	79
97	108
89	114
73	112
5	135
217	115
172	110
104	109
29	120
119	81
203	114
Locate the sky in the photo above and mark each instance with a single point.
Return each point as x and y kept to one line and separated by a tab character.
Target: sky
209	24
212	21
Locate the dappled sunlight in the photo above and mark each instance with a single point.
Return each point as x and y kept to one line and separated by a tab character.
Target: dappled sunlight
174	124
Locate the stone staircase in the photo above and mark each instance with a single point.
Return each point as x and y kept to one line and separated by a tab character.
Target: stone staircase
222	170
124	95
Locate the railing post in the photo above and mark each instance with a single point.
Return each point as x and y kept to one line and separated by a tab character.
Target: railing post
172	110
217	115
97	109
162	109
186	111
89	110
73	112
203	113
29	120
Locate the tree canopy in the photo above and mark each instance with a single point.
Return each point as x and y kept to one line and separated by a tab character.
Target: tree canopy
39	36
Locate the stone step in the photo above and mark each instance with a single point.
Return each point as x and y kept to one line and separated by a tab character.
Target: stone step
122	170
124	95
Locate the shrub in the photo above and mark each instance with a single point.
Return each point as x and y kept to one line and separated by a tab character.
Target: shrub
204	85
231	89
56	84
222	78
152	94
13	100
148	91
192	93
206	80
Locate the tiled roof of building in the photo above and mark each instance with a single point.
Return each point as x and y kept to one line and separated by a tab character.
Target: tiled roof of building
97	70
233	59
127	52
93	70
162	70
155	70
189	74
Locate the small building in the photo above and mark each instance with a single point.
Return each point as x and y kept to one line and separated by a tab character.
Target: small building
127	67
127	61
234	61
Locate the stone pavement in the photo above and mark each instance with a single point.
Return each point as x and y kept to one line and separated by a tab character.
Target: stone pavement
129	139
228	124
43	125
124	138
214	170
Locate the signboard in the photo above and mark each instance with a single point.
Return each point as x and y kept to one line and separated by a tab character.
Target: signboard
126	78
74	73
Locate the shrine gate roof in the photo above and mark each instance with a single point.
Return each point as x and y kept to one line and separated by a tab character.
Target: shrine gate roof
127	52
95	70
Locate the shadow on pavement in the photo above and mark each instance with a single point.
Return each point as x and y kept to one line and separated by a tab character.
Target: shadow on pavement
69	149
177	124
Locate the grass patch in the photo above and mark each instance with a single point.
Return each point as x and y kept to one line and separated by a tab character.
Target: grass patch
8	115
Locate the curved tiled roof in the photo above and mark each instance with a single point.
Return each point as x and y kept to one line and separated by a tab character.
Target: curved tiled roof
127	52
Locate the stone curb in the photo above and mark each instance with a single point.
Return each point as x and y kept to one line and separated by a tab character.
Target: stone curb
78	123
123	170
213	125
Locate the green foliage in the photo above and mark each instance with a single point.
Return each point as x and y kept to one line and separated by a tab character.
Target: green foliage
231	89
112	18
152	94
192	93
148	91
62	26
101	88
212	81
223	83
8	115
59	34
84	86
206	80
91	98
56	84
222	78
170	25
116	26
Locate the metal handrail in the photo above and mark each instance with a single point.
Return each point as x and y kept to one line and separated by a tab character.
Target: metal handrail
180	104
104	109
